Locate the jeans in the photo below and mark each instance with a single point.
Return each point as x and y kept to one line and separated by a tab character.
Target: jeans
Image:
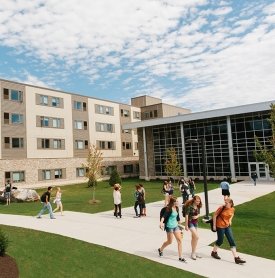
137	204
229	235
117	210
46	206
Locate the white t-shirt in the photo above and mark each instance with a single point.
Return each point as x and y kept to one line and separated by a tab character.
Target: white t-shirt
117	197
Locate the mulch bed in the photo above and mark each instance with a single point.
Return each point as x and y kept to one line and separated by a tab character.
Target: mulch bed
8	267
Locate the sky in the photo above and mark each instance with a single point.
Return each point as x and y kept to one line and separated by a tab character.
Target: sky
197	54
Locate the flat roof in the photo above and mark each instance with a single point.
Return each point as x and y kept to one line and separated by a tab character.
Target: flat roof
229	111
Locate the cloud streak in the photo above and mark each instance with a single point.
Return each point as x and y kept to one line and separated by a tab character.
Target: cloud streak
199	54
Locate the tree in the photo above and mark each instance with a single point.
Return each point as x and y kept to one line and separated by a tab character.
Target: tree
172	166
263	153
114	178
93	166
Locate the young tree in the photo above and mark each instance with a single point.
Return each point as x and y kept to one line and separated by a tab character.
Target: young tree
172	166
263	153
114	178
93	165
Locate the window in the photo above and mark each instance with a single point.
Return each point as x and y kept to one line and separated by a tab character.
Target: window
155	113
126	145
57	143
44	100
58	173
44	121
56	122
81	144
46	174
45	143
78	124
18	176
136	145
136	115
77	105
7	142
17	142
128	169
55	102
106	110
16	95
126	131
103	127
124	113
6	118
16	118
80	172
106	145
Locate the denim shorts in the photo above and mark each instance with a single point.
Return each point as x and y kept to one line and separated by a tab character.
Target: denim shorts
172	230
192	225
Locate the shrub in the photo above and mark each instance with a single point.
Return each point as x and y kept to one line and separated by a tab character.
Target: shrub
4	242
114	178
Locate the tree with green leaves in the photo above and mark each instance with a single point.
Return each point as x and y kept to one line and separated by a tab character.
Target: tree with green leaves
263	153
114	178
93	166
172	166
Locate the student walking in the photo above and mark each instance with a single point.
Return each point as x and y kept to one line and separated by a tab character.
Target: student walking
225	188
143	203
58	202
184	189
192	213
254	177
222	221
117	201
8	192
192	187
139	199
45	200
166	191
169	222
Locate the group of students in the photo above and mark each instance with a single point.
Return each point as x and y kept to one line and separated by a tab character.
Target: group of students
139	197
222	221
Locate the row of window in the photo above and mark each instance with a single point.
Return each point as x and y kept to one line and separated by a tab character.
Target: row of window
60	173
46	100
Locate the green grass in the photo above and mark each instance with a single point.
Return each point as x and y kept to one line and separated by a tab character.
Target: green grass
254	227
40	254
76	197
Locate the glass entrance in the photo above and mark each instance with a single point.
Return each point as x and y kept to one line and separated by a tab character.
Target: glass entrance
261	169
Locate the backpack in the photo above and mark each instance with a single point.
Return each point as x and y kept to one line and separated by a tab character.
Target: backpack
140	197
43	197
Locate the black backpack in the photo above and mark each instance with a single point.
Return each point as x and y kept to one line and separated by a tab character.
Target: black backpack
43	197
162	214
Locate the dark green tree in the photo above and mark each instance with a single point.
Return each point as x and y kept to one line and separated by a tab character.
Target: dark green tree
4	242
114	178
263	153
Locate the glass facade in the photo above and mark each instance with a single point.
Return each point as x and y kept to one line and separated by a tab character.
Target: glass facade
244	128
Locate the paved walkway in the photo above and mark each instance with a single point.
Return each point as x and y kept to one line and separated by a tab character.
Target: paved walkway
142	236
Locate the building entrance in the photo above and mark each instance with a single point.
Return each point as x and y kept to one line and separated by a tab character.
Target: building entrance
261	169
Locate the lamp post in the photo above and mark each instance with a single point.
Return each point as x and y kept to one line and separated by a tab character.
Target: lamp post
202	142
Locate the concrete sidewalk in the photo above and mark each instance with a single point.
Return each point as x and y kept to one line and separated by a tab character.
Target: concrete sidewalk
142	236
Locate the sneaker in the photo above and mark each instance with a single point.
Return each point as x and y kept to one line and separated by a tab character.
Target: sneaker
38	217
182	260
160	253
198	256
215	255
193	256
53	218
238	260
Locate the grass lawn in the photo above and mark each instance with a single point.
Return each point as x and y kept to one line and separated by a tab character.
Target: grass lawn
40	254
76	197
254	227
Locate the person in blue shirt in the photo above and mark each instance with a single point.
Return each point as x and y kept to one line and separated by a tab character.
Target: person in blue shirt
225	188
170	223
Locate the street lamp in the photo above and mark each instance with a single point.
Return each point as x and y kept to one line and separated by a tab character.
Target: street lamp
202	142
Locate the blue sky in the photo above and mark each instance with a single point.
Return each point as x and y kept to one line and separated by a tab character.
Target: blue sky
198	54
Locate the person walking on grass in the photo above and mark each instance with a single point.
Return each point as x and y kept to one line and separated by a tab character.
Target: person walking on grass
45	200
170	223
8	192
58	202
192	214
222	221
117	200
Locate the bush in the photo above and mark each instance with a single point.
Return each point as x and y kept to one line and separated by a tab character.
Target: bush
114	178
4	242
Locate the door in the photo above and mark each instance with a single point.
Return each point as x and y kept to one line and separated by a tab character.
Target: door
261	169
